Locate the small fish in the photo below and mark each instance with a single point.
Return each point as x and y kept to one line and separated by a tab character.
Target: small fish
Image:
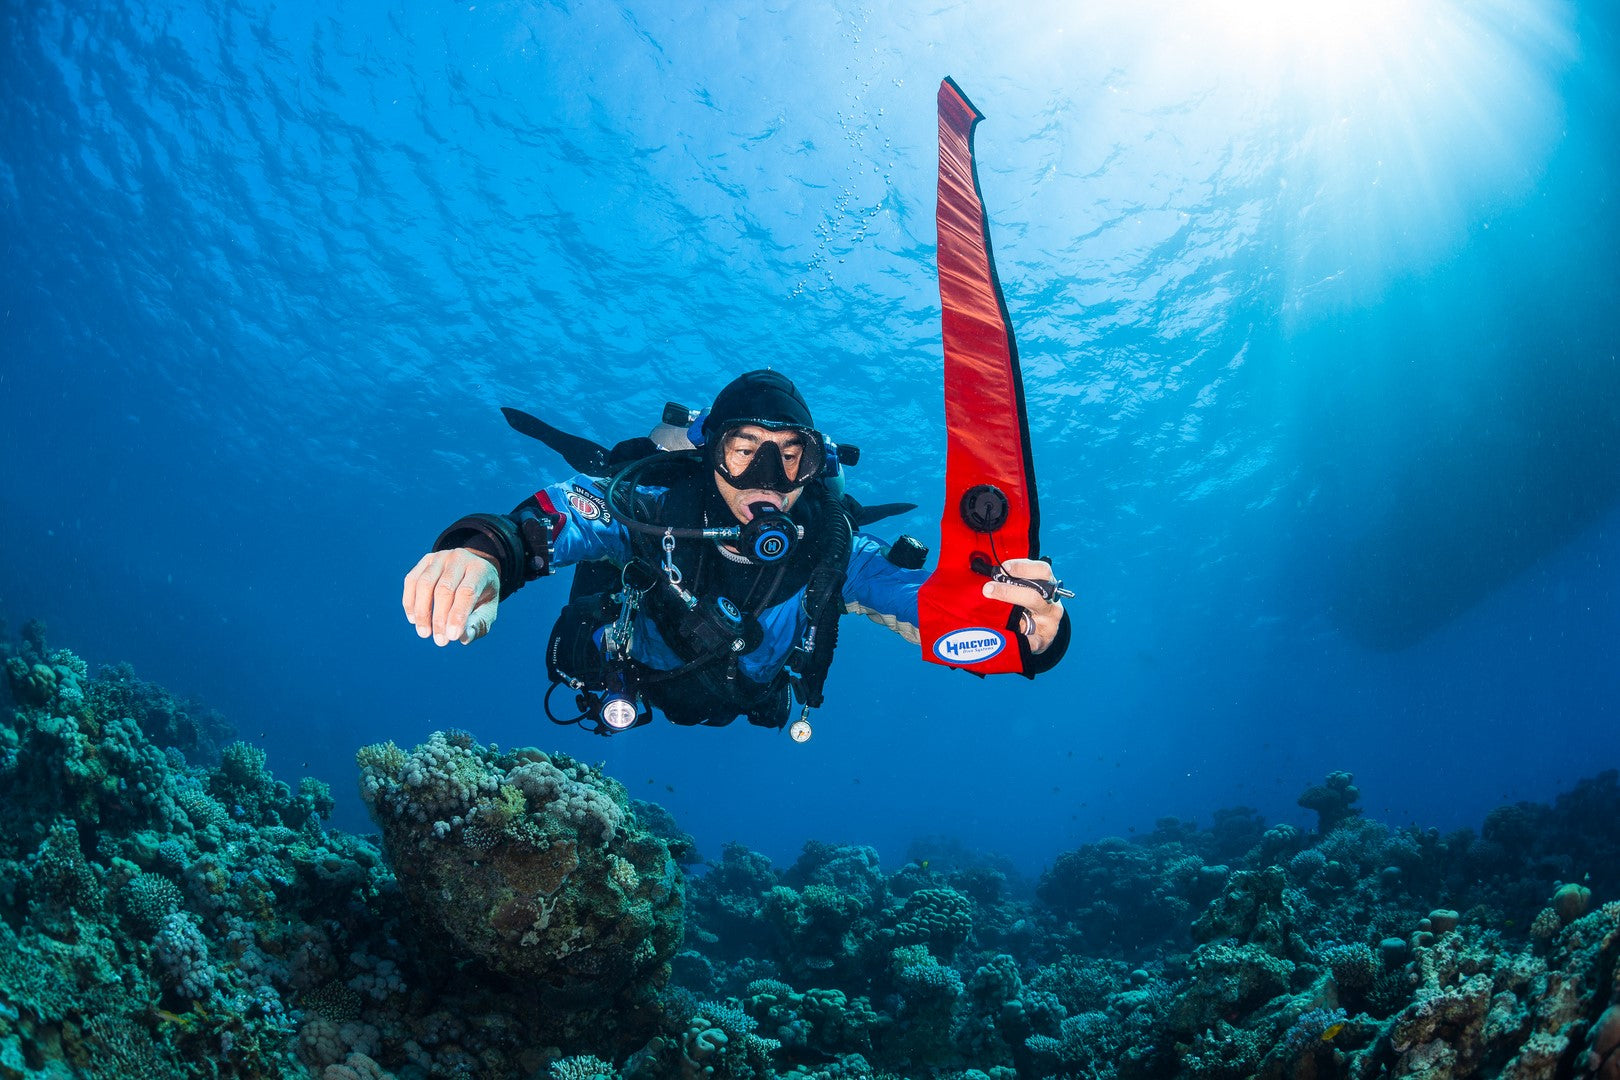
1329	1032
669	788
924	865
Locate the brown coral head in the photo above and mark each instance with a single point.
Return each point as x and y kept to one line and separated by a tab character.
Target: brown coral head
1570	902
1603	1044
1442	920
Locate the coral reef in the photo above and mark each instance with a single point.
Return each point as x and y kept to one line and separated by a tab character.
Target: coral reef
522	918
530	863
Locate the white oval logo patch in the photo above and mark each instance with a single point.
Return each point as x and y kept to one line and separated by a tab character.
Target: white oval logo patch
584	507
969	646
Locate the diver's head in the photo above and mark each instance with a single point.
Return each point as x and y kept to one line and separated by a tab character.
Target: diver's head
762	443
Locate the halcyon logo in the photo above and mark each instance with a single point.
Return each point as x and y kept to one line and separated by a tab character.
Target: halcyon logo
969	646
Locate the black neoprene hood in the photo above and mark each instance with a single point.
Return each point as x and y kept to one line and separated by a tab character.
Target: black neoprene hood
763	395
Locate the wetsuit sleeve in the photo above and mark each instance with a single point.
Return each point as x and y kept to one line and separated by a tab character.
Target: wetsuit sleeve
557	526
880	590
887	594
586	531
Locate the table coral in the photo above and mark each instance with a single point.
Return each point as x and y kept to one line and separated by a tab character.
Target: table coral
1334	801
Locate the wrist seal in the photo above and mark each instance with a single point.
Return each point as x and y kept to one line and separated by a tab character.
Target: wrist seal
495	535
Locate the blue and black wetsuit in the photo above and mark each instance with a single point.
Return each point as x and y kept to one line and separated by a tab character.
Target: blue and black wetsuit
571	524
772	596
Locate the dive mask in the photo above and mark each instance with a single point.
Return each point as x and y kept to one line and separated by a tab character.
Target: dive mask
751	463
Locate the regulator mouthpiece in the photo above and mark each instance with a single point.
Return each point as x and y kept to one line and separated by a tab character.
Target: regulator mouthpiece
769	535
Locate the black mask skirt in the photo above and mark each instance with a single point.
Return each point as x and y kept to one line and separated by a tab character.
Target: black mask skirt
766	470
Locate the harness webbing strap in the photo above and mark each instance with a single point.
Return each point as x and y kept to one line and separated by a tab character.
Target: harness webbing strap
823	599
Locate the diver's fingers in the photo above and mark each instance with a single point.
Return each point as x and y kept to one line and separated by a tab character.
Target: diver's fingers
419	592
1046	624
1026	624
1041	617
444	597
479	586
408	600
479	622
1040	630
1034	569
1022	595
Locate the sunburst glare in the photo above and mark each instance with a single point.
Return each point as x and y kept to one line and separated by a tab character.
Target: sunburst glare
1380	134
1401	128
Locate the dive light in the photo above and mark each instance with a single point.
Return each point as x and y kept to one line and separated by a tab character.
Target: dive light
619	708
619	712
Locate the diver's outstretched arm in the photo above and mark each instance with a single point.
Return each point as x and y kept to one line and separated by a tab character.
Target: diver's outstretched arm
452	593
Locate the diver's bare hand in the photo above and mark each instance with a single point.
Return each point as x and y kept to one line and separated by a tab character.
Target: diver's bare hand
1042	617
453	595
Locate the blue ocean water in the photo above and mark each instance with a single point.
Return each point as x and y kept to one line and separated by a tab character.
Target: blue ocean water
1316	308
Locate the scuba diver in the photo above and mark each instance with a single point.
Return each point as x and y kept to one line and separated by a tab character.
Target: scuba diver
711	568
